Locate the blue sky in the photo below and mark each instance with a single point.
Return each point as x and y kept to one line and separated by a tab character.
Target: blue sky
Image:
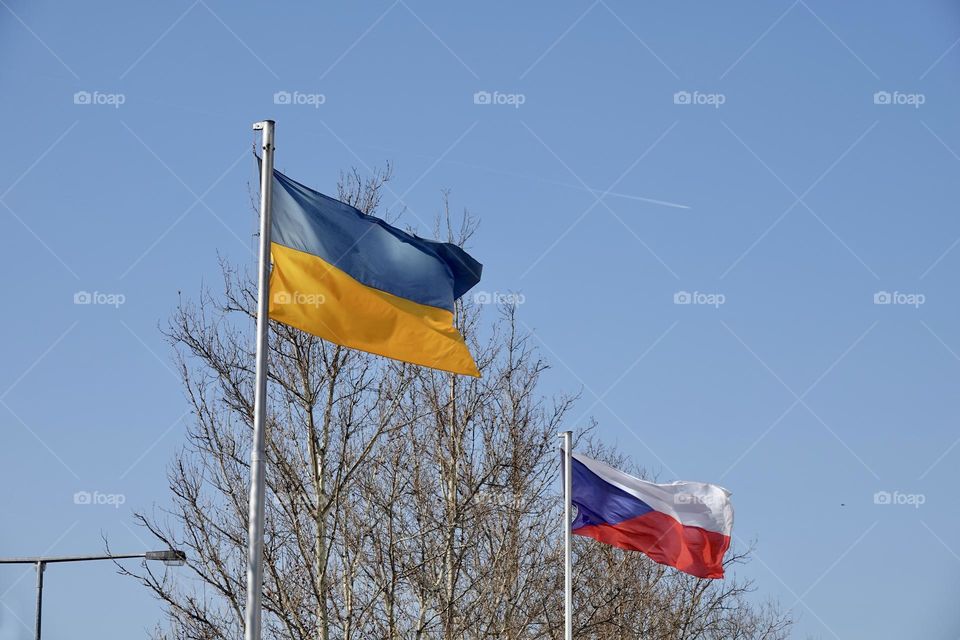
813	147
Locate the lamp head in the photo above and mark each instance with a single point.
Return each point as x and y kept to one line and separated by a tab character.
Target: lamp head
170	557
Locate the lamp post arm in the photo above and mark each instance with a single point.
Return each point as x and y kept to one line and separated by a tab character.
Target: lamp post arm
52	559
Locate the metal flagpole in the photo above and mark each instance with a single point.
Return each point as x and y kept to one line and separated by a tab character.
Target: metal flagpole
567	535
255	542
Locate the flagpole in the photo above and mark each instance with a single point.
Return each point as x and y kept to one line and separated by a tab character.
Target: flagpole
255	540
567	535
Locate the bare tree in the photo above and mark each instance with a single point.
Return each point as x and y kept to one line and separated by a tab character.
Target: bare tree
403	502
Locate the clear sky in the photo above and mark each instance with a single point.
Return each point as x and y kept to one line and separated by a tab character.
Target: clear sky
813	145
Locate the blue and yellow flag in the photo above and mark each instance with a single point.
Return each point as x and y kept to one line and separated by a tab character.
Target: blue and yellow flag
355	280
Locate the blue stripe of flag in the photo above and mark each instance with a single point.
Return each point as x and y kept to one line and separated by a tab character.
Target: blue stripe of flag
368	249
599	502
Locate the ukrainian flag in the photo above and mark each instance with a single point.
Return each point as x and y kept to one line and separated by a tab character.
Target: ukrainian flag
355	280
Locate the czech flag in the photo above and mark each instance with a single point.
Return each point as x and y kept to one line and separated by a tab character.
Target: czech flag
685	525
355	280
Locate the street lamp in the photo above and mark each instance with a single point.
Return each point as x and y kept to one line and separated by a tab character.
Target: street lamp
169	557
